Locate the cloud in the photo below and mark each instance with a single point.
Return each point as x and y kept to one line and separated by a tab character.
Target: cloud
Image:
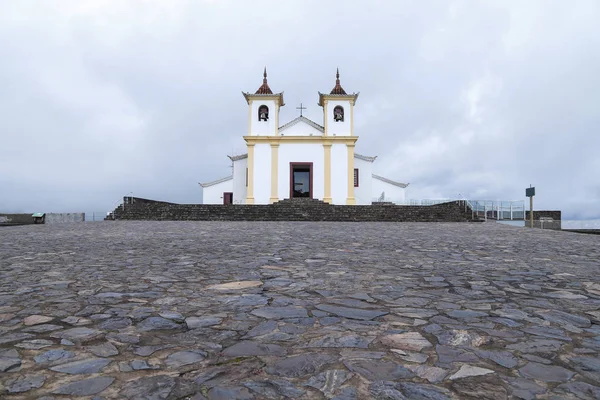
103	98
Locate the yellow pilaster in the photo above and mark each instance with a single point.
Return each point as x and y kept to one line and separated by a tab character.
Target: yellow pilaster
351	200
250	189
327	169
274	174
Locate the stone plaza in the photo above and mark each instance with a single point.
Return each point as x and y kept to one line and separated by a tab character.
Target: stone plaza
298	310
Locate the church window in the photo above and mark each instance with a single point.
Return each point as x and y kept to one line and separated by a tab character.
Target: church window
246	177
355	177
263	113
338	114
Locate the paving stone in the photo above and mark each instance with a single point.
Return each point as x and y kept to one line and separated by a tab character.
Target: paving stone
432	374
36	319
546	373
466	314
274	388
54	355
10	360
34	344
87	366
376	369
564	318
415	312
280	312
149	350
25	383
181	358
105	349
294	302
15	337
587	366
229	393
156	387
202	322
466	371
115	324
487	387
330	340
249	348
329	381
235	285
352	313
300	365
581	390
406	341
503	358
157	324
407	390
86	387
81	335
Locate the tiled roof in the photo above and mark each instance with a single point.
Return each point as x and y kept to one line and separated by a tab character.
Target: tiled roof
216	182
304	119
338	89
264	88
238	157
364	158
391	182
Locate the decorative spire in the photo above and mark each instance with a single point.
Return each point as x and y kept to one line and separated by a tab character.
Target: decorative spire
338	89
264	88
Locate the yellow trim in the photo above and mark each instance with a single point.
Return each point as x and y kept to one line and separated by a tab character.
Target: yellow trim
351	200
274	167
277	97
327	169
250	189
348	140
325	117
250	118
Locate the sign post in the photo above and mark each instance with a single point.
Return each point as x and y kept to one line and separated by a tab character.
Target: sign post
530	192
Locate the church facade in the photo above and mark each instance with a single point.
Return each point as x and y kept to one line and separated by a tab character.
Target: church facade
301	158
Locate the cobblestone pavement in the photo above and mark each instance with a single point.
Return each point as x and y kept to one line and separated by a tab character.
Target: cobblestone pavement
178	310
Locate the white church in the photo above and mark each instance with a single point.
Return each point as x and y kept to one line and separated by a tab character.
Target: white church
301	159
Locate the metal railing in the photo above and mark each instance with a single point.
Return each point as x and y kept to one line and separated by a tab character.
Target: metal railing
95	216
482	209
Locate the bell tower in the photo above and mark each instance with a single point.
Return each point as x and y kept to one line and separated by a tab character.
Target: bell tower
338	110
263	110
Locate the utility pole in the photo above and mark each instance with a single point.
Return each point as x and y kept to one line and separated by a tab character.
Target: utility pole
530	192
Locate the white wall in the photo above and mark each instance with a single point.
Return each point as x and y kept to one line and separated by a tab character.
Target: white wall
339	173
363	193
239	181
262	173
338	128
214	194
392	192
301	129
266	128
301	152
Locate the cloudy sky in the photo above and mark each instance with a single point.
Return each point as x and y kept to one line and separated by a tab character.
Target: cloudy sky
99	99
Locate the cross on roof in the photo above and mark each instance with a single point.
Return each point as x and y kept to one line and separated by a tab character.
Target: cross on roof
300	108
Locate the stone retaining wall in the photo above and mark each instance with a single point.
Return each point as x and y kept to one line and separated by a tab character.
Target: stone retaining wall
286	210
537	223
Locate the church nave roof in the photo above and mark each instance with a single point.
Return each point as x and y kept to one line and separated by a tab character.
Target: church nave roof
302	119
216	182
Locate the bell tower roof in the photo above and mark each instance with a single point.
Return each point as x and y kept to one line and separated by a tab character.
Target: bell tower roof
337	92
264	92
338	89
264	88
